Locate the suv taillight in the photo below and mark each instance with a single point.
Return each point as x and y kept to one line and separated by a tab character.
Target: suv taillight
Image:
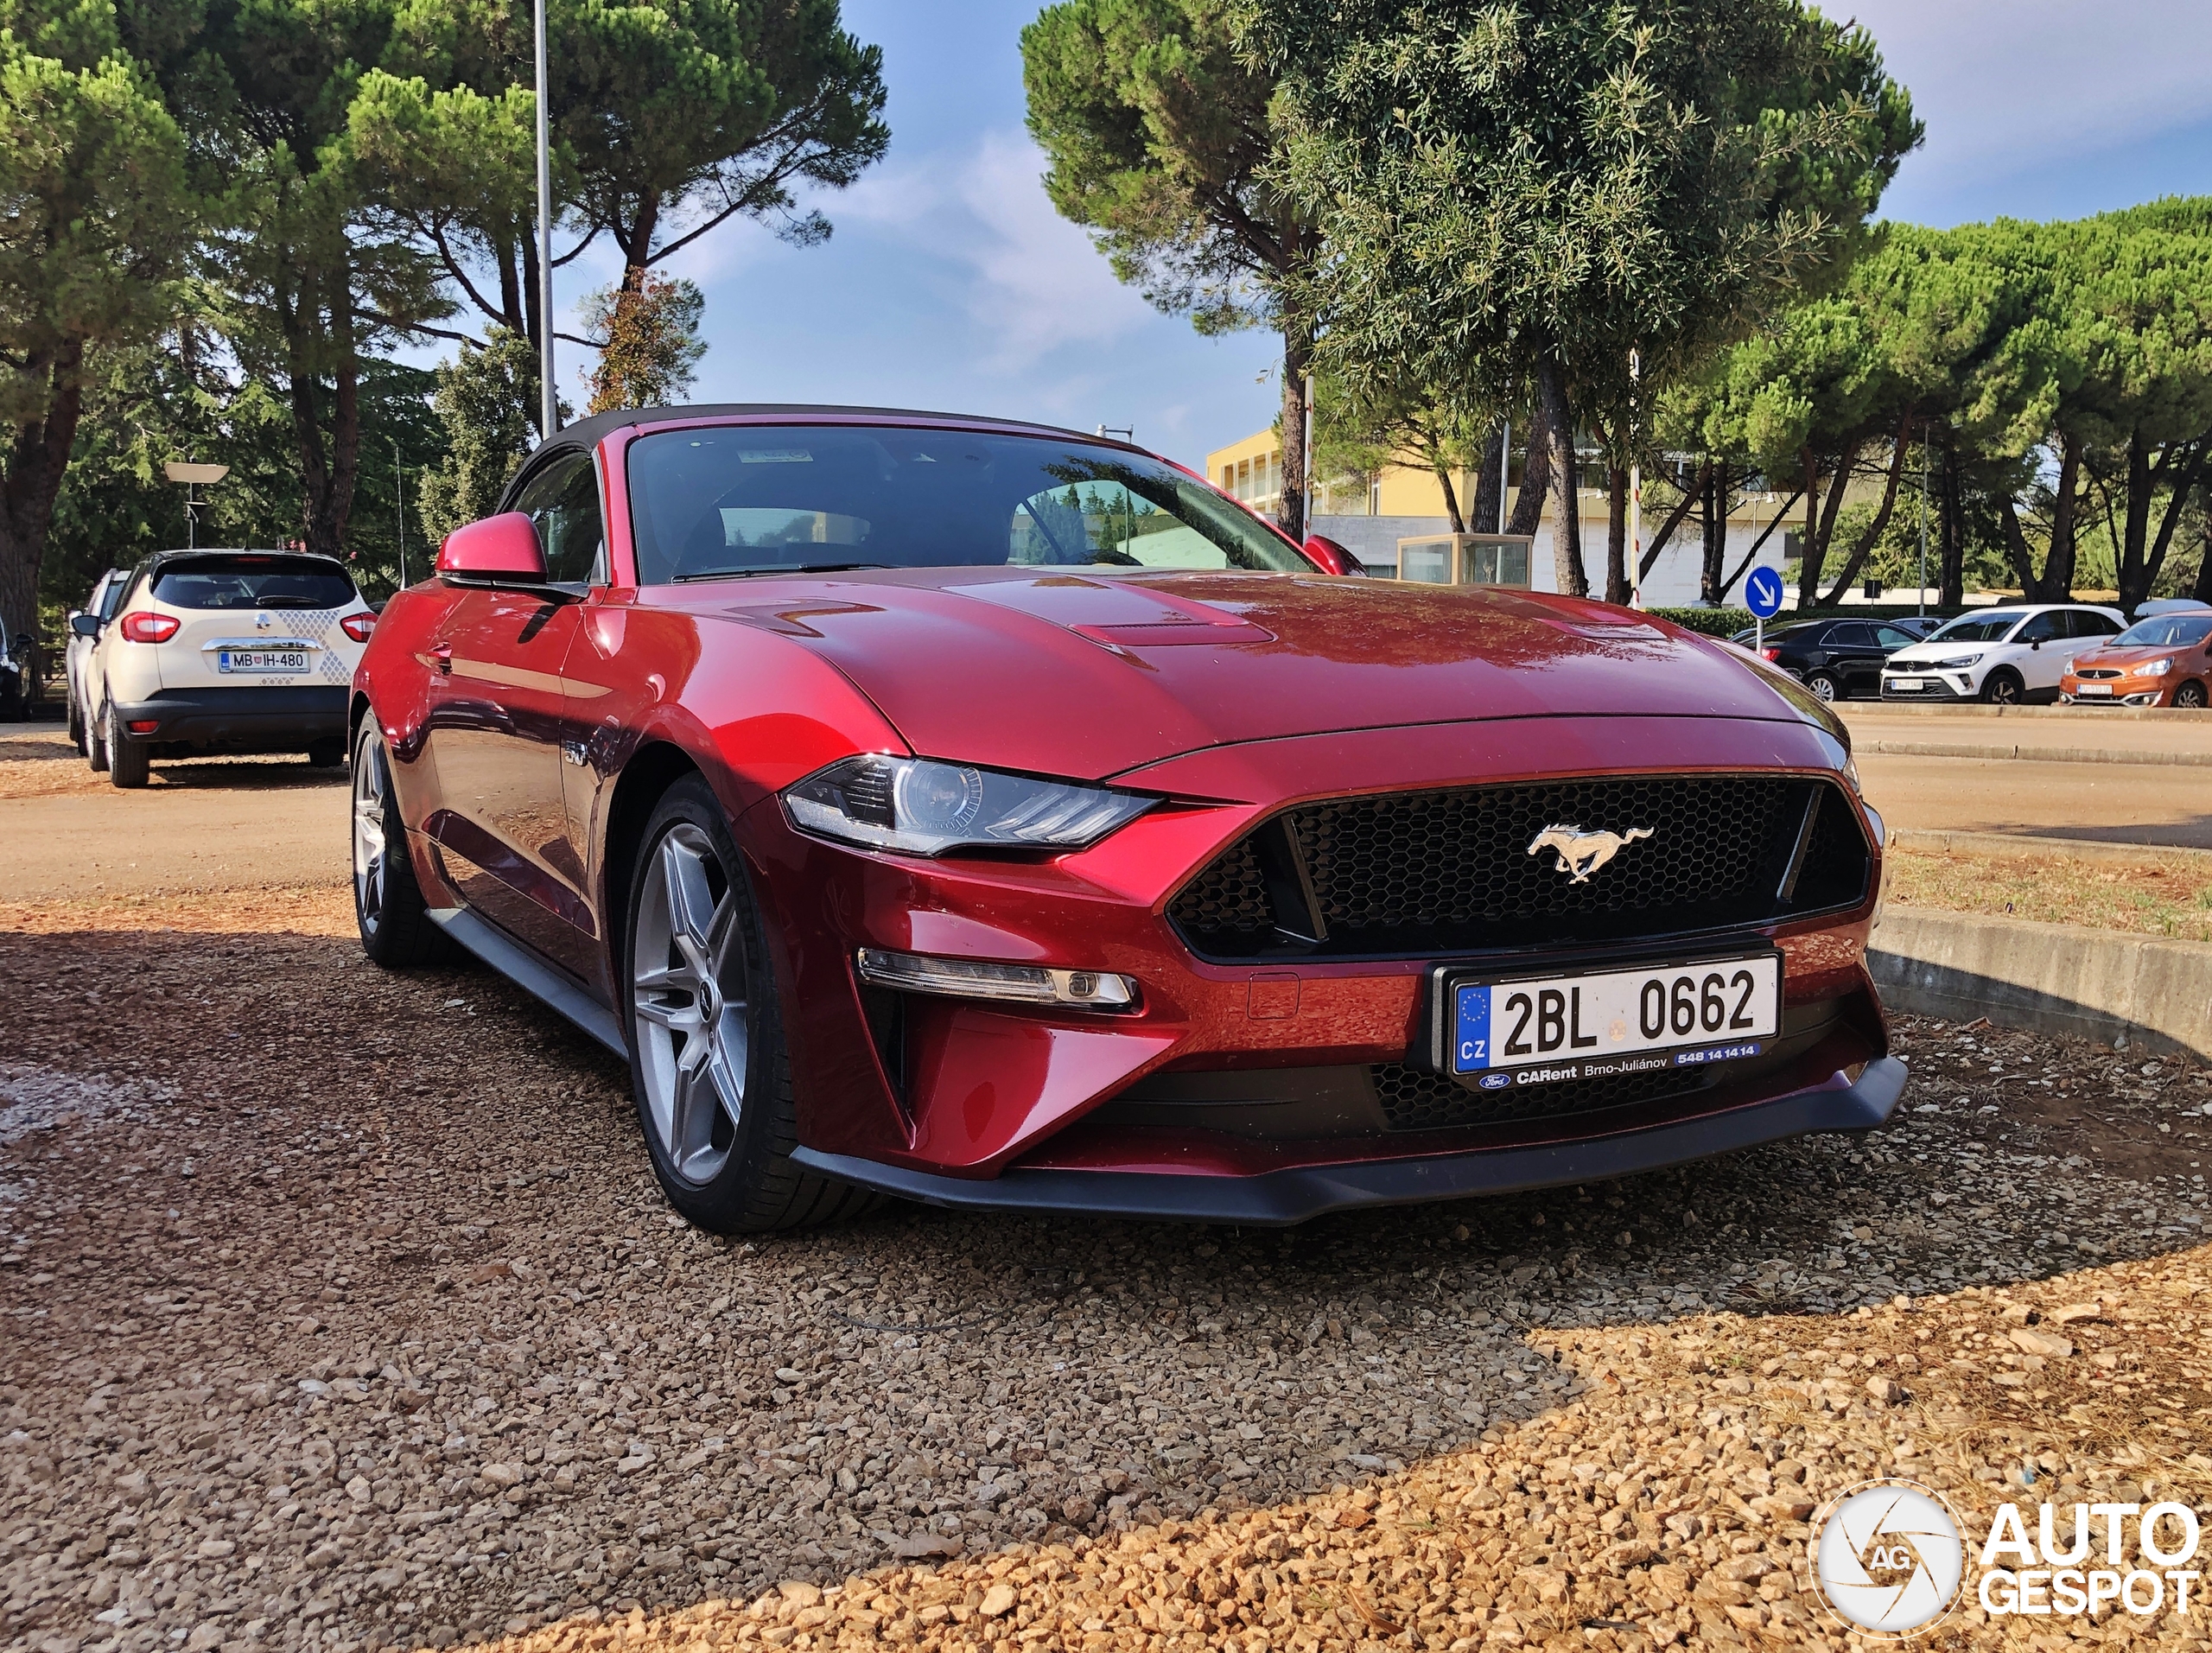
358	626
141	627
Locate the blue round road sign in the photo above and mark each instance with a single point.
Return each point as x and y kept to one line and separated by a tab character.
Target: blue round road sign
1763	593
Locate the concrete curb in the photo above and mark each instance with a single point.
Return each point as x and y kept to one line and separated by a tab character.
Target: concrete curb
1923	840
2029	754
2133	992
1906	709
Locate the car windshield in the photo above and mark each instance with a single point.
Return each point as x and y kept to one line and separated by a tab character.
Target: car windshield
1977	628
252	581
728	501
2166	631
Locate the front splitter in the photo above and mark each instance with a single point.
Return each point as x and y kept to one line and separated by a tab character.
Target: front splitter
1278	1199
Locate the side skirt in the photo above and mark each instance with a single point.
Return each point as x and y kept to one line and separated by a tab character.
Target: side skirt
527	972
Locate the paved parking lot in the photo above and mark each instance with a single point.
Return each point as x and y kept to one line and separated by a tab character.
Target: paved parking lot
341	1313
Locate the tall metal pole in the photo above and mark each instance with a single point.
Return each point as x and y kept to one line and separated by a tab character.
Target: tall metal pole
1504	471
550	415
1305	513
1635	486
399	507
1923	524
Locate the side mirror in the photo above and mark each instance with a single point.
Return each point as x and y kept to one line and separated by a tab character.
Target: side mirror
499	551
1332	557
84	624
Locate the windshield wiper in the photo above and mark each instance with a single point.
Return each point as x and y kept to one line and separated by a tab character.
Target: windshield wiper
777	568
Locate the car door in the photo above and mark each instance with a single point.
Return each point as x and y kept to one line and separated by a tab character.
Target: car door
496	724
1853	658
2039	655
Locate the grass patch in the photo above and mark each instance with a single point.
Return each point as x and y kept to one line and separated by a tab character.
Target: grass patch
2162	895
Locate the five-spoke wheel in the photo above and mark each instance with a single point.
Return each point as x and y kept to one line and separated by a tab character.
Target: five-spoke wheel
689	975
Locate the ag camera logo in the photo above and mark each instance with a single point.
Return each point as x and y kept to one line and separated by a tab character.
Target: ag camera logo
1889	1557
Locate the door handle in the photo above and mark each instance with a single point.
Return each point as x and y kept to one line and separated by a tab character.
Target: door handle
443	653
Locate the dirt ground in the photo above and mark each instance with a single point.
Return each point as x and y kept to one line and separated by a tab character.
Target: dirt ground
2107	803
205	824
339	1311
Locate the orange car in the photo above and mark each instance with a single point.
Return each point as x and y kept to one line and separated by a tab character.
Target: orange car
2165	660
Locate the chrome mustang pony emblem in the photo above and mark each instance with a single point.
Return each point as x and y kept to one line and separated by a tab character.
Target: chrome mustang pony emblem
1583	853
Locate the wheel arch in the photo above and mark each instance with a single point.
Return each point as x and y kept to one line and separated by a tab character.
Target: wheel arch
651	770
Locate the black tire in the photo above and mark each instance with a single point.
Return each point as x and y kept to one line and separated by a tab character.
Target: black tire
128	763
2003	687
326	753
389	911
76	725
95	744
2191	695
752	1185
1826	686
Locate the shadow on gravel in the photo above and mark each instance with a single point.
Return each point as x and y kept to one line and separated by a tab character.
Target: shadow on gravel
349	1314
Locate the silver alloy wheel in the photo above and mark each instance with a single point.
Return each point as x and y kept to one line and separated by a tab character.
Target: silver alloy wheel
688	990
1822	685
371	788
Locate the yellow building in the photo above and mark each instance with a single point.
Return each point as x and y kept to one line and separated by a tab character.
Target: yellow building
1411	500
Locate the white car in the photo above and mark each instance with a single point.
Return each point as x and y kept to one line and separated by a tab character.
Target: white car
2005	656
85	627
216	650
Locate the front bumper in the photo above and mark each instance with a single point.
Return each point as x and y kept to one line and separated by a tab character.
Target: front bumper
2127	695
1278	1199
272	717
1943	686
1231	1082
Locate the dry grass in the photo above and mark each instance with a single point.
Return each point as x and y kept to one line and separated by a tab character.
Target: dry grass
2162	895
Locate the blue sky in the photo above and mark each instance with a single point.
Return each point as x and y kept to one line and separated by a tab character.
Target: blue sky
950	283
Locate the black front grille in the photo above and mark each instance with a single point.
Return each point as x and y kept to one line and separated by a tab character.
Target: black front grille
1416	1101
1444	873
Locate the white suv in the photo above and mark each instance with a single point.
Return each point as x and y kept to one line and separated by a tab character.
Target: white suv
85	627
2003	655
223	652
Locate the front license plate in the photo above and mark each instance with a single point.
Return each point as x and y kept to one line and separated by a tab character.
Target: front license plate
2094	688
1538	1030
261	660
1908	683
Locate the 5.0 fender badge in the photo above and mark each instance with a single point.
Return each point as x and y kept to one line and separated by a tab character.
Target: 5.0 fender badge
1583	853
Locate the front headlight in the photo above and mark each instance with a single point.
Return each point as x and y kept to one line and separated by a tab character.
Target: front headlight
921	807
1958	663
2156	668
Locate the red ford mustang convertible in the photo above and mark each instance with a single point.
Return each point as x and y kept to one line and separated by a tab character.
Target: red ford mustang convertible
993	815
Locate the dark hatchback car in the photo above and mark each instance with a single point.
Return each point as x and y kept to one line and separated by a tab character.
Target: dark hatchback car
1836	658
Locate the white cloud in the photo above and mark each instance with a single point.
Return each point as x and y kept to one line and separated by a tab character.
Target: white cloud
2006	85
1029	281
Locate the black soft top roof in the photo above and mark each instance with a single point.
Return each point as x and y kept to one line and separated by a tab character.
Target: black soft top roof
587	432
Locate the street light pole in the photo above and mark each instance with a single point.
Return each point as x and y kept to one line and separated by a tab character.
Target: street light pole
1635	485
1924	522
549	414
399	508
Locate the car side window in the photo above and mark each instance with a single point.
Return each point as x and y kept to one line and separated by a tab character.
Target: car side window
2090	623
563	499
1890	637
2041	628
1849	637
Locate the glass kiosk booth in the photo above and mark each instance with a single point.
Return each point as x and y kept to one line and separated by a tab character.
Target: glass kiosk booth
1466	560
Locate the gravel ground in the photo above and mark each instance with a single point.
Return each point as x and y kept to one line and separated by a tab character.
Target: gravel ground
338	1311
